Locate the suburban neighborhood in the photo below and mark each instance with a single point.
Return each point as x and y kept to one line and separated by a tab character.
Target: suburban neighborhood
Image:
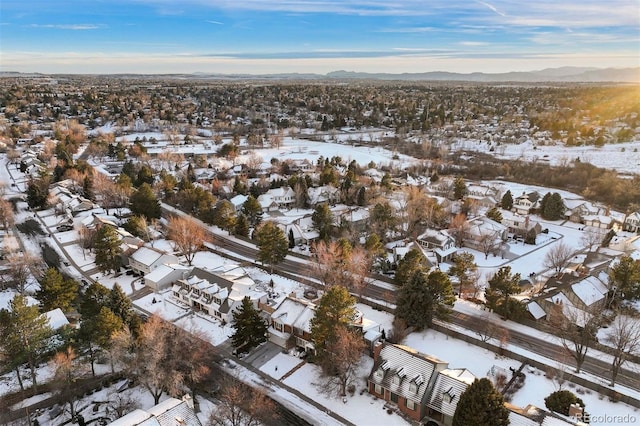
172	254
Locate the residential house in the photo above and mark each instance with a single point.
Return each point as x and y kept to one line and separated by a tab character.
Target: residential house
290	325
526	202
146	259
238	201
440	243
484	233
325	194
283	197
632	222
218	293
534	416
520	225
162	277
421	386
170	412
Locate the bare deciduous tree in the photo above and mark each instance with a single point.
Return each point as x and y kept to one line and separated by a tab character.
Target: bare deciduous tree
624	339
340	364
67	370
558	256
242	406
459	228
592	238
577	331
6	214
187	235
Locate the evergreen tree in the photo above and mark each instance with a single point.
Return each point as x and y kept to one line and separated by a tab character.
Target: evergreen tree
122	306
24	335
494	214
464	268
144	202
322	219
383	219
87	187
137	225
335	310
225	216
272	244
105	324
56	292
412	261
481	405
250	328
459	188
552	207
561	400
252	209
361	198
93	299
242	226
625	276
424	297
145	175
107	249
38	193
292	240
498	295
507	201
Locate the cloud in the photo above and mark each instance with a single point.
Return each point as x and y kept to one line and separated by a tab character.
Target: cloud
74	27
473	43
492	8
214	22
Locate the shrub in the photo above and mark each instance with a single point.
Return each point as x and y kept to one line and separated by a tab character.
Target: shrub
560	401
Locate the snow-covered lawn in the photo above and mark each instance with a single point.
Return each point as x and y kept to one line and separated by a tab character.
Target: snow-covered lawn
280	365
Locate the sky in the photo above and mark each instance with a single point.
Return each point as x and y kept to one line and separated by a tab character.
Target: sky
315	36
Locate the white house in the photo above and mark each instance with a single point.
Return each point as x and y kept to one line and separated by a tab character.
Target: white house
146	259
162	277
632	222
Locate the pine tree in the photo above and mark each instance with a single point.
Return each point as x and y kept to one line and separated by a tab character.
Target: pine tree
93	299
107	249
459	188
553	207
412	261
250	328
507	201
494	214
56	292
242	226
272	244
144	202
464	268
322	219
24	335
120	304
481	405
498	295
225	216
252	209
424	297
336	309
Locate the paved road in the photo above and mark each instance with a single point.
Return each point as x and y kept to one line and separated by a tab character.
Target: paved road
380	291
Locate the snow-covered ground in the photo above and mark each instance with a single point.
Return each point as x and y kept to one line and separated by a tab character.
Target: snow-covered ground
623	157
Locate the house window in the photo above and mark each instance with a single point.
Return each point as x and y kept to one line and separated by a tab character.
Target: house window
396	380
411	405
413	388
394	397
278	326
377	389
217	314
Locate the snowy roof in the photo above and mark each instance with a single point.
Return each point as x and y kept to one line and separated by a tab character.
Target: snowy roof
535	310
590	290
146	256
163	270
412	364
238	200
449	385
169	412
56	318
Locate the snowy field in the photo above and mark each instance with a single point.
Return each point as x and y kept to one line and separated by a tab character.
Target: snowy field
623	157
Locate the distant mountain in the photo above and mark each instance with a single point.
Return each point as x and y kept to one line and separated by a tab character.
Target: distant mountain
551	75
565	74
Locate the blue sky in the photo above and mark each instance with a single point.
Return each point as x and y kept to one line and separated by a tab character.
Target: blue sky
270	36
